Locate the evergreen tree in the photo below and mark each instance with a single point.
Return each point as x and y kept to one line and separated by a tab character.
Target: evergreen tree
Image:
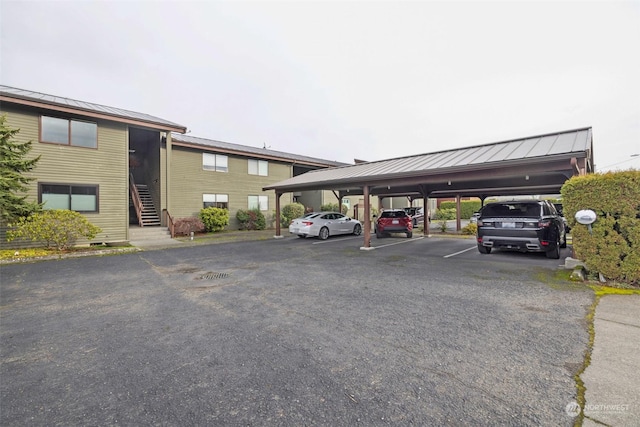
13	182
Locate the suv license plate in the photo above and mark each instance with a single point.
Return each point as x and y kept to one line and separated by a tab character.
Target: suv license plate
508	225
395	221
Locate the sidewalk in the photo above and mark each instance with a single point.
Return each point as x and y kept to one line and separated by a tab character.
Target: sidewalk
612	380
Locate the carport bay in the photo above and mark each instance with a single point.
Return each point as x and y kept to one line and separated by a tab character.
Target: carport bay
526	166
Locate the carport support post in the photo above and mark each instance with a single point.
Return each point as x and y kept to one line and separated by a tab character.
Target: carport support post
425	220
425	208
278	231
367	219
458	224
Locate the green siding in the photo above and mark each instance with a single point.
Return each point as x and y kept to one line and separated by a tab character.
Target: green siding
189	182
105	166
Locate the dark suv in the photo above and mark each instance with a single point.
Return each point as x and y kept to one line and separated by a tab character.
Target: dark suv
523	225
394	221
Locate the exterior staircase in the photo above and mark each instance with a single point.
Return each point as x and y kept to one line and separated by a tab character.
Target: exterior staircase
150	216
150	236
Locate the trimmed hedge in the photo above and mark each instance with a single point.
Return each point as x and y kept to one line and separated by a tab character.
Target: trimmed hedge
291	212
55	228
184	226
333	207
251	219
467	207
214	219
612	248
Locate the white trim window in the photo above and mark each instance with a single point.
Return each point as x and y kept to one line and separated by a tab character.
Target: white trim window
258	167
215	162
259	202
215	201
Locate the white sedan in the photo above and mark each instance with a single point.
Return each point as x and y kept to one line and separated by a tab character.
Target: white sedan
324	224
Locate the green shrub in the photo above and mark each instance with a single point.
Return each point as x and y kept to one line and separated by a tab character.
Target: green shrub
291	212
612	247
252	219
443	225
57	228
333	207
467	207
214	219
445	214
470	229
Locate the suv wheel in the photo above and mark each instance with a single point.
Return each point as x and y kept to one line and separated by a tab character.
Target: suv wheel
555	252
484	249
564	241
378	234
409	234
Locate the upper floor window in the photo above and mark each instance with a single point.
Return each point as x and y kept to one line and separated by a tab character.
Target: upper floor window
215	200
259	202
68	132
81	198
215	162
258	167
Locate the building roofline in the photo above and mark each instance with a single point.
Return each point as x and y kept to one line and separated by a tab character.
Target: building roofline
249	151
67	105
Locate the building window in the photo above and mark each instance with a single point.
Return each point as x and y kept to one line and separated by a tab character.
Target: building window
215	162
68	132
258	167
80	198
259	202
215	201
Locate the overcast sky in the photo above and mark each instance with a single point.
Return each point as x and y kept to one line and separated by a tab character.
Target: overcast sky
341	80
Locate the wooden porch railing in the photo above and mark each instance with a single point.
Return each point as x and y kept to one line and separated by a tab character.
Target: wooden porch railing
135	197
169	221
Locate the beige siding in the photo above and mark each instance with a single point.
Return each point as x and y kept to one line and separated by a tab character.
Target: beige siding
105	166
189	182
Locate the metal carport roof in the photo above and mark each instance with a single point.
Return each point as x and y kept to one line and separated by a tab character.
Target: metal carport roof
533	165
536	164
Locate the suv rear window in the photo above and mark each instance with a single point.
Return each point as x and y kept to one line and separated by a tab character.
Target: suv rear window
393	214
512	210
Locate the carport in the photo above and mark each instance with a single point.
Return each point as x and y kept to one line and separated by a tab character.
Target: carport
528	166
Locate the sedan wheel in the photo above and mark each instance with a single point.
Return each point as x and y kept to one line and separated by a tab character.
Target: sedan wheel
324	233
357	229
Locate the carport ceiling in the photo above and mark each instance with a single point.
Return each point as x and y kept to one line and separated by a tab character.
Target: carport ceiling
534	165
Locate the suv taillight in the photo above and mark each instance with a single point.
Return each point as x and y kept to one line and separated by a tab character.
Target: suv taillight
543	223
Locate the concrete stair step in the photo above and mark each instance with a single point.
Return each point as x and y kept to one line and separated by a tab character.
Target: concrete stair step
149	233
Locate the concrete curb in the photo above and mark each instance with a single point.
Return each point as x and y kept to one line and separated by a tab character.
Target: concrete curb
611	380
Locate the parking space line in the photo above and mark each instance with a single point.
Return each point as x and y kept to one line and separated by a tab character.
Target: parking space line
400	242
336	240
459	252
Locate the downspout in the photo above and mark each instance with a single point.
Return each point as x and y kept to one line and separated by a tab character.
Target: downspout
168	174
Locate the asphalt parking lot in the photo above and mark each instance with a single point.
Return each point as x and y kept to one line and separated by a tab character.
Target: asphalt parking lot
422	331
